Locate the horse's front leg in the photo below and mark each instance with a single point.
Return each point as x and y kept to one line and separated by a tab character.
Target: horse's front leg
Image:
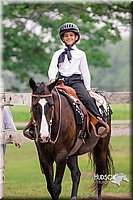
49	174
72	163
60	168
49	178
46	163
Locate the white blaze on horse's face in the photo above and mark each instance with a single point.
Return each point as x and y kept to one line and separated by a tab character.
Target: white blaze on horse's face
44	132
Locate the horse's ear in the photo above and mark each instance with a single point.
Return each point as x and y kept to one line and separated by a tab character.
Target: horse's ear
52	85
32	83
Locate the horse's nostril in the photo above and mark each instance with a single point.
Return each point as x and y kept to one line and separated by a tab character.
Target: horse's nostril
47	138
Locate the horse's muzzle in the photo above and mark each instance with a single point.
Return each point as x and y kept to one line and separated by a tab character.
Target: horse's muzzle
44	139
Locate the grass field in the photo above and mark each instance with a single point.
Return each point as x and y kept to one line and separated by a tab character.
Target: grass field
23	177
120	112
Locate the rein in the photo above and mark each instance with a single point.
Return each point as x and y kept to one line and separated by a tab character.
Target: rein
51	118
34	123
59	117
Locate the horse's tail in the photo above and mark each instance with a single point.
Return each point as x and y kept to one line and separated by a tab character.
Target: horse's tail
102	162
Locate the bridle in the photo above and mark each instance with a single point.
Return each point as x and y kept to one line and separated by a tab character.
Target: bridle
51	117
42	95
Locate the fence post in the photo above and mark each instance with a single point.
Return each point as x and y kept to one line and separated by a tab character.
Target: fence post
1	144
1	114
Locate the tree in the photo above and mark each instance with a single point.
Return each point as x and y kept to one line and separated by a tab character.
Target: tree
31	32
118	76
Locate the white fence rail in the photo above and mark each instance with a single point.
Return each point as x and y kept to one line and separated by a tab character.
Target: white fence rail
24	99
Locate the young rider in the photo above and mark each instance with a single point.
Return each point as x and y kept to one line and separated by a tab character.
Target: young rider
71	64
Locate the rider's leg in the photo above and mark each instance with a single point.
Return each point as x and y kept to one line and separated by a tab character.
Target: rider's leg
89	102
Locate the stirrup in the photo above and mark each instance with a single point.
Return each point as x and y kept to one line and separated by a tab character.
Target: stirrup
102	132
104	124
29	131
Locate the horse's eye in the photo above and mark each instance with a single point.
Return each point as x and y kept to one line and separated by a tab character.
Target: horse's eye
47	109
37	107
51	102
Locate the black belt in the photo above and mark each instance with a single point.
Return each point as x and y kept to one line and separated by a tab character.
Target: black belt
67	78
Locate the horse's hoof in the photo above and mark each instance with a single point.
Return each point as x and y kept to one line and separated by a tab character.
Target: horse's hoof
73	198
100	198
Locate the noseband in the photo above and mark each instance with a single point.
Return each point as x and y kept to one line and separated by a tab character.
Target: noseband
51	118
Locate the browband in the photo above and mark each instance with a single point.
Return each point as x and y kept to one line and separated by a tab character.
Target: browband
42	96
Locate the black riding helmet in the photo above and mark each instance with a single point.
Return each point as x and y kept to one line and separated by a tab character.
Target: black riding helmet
69	27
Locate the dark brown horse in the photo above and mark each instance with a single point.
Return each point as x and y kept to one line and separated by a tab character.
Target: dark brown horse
55	135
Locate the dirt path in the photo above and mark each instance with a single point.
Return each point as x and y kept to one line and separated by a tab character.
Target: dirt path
121	130
110	197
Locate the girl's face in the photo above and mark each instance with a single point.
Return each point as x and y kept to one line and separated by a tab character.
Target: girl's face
69	38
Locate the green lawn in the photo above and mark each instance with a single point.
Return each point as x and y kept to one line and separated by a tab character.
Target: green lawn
23	177
120	112
21	113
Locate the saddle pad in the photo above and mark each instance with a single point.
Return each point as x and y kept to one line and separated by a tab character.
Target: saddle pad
101	103
79	116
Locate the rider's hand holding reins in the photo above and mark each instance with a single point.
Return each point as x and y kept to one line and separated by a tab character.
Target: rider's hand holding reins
52	80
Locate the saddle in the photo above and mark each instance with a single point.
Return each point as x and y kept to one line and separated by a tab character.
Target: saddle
88	116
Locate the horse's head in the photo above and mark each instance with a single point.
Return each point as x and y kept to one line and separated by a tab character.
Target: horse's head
42	107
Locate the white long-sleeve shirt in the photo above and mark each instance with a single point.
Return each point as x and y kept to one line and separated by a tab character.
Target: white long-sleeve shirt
8	119
78	65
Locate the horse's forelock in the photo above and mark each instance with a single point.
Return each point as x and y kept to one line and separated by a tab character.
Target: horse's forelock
40	88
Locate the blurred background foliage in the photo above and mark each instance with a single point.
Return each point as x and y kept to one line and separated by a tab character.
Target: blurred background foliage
30	37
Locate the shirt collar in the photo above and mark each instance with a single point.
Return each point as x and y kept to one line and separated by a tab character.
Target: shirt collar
74	47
